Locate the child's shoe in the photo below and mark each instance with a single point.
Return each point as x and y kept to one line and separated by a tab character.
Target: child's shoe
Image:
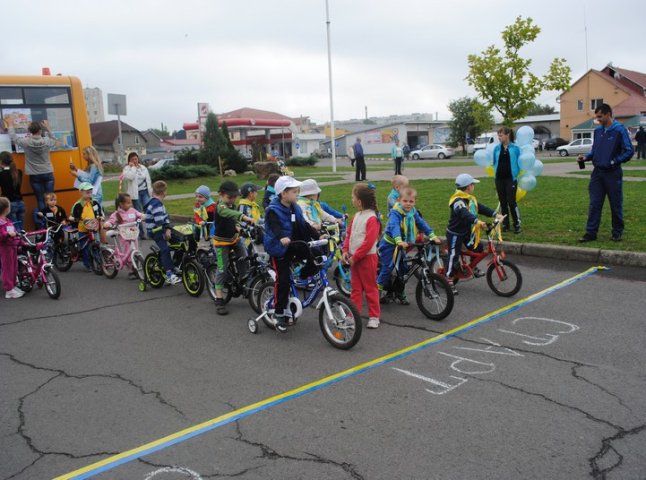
477	273
281	324
172	279
133	275
220	307
401	298
15	292
373	322
454	289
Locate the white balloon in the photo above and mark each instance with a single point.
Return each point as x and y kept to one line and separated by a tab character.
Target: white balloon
480	157
524	135
526	161
527	182
537	168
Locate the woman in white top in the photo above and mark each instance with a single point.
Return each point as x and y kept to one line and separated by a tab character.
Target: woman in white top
93	173
139	185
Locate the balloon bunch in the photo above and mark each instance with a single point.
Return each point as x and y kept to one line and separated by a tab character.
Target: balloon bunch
530	166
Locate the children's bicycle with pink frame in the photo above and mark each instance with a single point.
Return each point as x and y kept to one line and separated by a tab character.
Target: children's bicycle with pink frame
124	252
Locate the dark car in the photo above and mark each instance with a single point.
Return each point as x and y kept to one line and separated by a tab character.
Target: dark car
553	143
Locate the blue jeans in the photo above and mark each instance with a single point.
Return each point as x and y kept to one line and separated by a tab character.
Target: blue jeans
140	205
17	213
606	183
164	251
41	184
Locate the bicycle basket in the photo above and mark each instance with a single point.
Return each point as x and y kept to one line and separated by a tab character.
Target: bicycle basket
130	232
183	233
91	224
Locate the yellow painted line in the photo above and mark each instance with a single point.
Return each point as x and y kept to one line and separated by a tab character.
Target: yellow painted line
190	432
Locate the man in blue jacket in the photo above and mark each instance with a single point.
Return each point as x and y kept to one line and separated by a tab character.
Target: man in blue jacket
611	147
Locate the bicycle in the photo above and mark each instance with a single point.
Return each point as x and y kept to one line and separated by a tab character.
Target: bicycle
258	270
340	271
114	259
339	319
503	276
67	252
34	268
433	294
184	250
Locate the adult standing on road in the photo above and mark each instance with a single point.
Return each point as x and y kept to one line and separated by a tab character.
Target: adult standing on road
506	168
92	174
38	164
640	138
610	148
360	162
351	155
397	155
139	185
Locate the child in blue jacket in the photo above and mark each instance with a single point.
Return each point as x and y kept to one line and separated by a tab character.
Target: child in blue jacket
404	225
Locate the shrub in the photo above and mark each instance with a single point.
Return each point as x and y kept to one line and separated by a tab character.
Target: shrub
181	171
188	156
234	161
301	161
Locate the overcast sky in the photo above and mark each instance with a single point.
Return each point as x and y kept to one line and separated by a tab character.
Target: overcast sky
395	57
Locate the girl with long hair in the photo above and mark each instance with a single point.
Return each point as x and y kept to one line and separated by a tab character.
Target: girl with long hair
10	183
93	172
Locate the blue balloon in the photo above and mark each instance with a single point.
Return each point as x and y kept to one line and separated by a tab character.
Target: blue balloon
527	182
480	157
526	160
537	168
524	135
489	151
528	148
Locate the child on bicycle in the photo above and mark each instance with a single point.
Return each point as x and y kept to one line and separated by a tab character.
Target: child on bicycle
204	211
8	251
124	213
360	251
284	223
404	225
270	191
53	215
86	216
247	204
312	211
464	226
227	238
398	182
158	228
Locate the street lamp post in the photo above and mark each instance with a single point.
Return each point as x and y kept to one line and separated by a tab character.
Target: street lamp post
329	67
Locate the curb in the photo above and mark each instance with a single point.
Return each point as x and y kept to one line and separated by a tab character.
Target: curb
554	252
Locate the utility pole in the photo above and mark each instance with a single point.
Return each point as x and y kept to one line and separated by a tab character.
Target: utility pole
329	68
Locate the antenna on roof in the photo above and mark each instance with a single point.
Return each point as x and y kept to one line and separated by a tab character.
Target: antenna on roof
585	32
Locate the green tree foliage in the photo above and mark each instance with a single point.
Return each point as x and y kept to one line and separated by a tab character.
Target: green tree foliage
213	142
470	118
537	109
502	78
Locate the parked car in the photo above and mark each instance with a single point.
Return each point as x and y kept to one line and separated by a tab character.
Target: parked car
432	151
577	147
554	143
164	162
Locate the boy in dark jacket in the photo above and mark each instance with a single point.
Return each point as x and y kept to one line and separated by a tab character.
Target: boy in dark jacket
464	224
86	216
284	222
270	191
227	238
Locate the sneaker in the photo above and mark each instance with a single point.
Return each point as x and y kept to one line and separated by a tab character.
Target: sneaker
372	323
454	289
220	307
518	229
401	298
172	279
281	325
132	275
14	293
587	237
616	238
478	273
87	269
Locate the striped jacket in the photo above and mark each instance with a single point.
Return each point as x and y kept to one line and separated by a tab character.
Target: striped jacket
156	217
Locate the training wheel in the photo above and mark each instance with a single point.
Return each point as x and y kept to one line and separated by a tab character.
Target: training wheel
142	286
252	325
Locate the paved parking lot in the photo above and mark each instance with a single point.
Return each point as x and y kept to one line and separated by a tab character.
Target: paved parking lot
548	387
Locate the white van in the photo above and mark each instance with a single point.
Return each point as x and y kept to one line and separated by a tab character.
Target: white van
485	139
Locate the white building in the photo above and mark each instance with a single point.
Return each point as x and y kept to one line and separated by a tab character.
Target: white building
94	104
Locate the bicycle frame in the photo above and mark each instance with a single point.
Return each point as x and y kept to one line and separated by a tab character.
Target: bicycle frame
124	258
470	259
36	270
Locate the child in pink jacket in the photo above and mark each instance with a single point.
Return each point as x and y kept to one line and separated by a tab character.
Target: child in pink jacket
9	242
124	213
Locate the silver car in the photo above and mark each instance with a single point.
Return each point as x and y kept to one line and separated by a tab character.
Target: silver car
432	151
580	146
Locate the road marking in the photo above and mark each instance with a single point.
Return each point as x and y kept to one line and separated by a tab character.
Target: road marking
190	432
191	474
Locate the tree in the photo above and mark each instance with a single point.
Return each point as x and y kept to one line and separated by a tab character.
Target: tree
213	143
470	118
503	80
537	109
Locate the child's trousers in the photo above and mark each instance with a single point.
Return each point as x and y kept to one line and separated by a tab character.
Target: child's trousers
386	252
363	274
9	265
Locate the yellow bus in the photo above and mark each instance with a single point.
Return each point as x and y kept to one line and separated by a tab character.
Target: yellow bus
60	101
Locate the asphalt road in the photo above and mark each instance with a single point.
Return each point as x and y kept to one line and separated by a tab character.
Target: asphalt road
553	388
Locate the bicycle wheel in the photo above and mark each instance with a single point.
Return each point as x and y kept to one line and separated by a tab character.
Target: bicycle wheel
138	263
154	272
504	279
24	278
265	295
343	281
440	268
108	263
210	275
254	290
192	278
52	284
434	296
96	259
343	329
62	258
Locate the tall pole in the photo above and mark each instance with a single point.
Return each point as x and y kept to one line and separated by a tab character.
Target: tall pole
120	137
329	68
585	31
